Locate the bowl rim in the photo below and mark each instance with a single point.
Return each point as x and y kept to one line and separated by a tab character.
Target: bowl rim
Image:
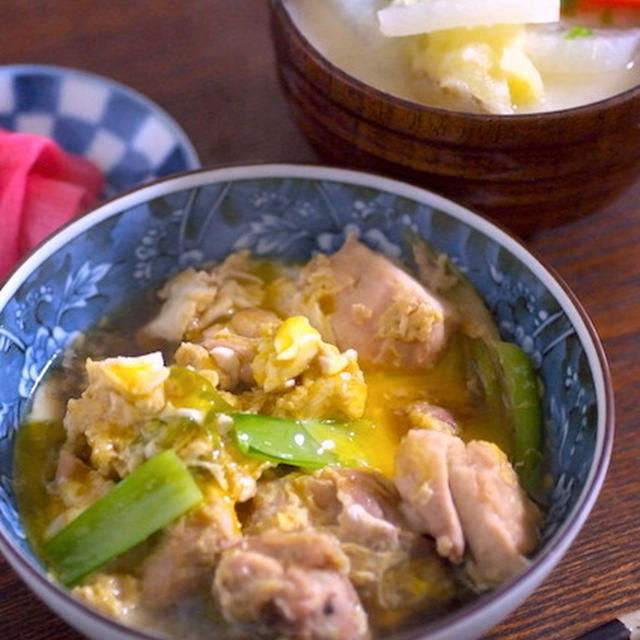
279	9
57	71
488	604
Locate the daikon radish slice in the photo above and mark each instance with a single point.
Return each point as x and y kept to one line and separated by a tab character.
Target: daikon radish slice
554	50
410	17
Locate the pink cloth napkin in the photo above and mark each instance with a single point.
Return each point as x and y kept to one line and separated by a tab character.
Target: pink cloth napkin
41	188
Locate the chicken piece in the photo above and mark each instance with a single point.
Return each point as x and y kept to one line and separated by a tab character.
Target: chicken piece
428	416
186	296
398	581
232	345
184	559
293	585
253	323
231	356
310	293
293	503
357	505
467	497
193	300
189	354
422	479
370	514
391	567
385	315
378	309
499	520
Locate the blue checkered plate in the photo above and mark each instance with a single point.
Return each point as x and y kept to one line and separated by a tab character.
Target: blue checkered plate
131	139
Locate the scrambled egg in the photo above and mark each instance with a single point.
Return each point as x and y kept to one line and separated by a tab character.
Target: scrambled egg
121	394
285	356
127	411
298	373
134	377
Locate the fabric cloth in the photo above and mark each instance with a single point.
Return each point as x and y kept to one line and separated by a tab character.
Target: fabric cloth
41	188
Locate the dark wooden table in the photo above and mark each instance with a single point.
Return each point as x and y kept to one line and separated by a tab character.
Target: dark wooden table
209	64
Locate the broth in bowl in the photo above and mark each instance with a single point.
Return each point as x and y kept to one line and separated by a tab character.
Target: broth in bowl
572	55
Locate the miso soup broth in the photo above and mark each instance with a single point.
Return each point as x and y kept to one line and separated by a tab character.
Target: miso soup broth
587	56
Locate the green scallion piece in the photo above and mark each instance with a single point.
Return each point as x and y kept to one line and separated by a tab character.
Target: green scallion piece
153	495
578	32
523	400
310	444
507	380
484	368
187	388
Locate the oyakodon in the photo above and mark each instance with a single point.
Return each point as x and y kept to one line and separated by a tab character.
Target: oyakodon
344	442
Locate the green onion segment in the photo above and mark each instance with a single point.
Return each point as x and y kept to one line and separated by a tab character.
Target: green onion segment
523	400
153	495
578	32
510	390
187	388
310	444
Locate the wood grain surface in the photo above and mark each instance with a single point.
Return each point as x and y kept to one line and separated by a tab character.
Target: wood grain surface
210	64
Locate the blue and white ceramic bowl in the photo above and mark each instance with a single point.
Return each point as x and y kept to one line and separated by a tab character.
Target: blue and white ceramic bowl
132	243
131	139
